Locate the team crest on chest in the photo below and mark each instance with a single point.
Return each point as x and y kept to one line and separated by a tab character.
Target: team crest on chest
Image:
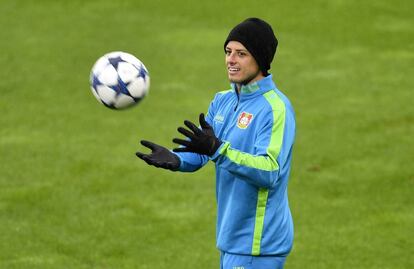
244	120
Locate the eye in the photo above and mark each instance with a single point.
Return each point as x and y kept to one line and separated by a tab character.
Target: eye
228	52
241	53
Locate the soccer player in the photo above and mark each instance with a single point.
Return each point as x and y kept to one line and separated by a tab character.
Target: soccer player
248	132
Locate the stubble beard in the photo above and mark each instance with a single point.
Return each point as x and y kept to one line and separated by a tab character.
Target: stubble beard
247	80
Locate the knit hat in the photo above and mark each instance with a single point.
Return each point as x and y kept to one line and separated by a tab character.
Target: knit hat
258	38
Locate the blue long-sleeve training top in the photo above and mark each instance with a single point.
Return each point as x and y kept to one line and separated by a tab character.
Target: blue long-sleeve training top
257	127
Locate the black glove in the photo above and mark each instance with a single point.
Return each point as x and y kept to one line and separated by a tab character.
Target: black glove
201	141
159	157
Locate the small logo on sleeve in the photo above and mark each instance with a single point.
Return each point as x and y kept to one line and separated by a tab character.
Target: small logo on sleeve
219	118
244	120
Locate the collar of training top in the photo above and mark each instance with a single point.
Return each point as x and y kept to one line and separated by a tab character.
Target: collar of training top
265	84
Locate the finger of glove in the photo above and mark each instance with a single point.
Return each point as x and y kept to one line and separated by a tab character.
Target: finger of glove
149	144
186	132
182	150
148	160
203	123
192	127
140	155
182	142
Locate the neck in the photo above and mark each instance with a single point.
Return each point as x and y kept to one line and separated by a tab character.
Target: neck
266	83
249	80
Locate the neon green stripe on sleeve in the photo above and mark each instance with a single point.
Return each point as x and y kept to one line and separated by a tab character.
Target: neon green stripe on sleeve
269	162
260	215
279	117
246	159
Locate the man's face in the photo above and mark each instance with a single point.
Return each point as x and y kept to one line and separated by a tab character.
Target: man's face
242	68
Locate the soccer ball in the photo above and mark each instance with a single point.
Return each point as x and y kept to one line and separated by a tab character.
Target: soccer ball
119	80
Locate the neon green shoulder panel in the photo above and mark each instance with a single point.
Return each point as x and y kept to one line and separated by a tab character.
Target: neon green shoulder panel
266	163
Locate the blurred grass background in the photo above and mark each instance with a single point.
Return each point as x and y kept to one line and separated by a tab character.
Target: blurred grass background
73	194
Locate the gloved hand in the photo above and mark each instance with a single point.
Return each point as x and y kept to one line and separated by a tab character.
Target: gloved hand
201	141
159	157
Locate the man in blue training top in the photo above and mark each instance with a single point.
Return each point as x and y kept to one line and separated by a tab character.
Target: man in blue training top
248	133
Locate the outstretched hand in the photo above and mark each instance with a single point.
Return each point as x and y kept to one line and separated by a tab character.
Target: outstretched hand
202	141
159	157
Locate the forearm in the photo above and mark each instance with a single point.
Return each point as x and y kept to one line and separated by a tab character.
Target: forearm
191	162
259	170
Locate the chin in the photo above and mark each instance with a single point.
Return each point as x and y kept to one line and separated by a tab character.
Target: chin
234	80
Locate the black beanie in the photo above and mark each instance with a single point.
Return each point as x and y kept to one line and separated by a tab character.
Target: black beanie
258	38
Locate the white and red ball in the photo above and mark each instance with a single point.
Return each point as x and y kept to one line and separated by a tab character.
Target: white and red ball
119	80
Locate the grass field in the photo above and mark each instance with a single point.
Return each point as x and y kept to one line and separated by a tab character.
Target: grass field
73	194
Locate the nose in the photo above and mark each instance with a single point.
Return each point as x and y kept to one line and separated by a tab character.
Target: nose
230	58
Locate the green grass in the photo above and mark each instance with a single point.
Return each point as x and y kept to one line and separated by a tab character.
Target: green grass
73	194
